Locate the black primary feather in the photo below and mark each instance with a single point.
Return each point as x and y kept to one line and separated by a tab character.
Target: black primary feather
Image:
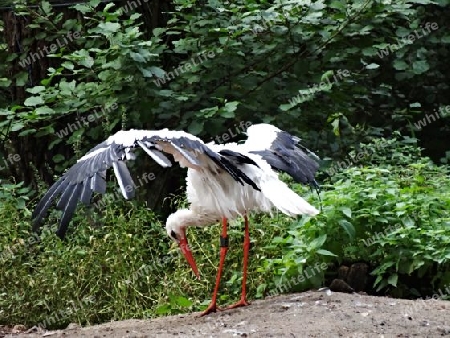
287	155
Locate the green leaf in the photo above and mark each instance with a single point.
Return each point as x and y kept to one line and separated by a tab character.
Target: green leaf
420	67
383	45
17	126
325	253
183	301
21	79
207	112
78	132
148	73
33	25
348	228
54	142
84	9
445	39
36	89
137	57
88	62
228	110
318	242
402	32
337	4
33	101
20	203
4	82
196	127
372	66
107	7
408	221
392	280
370	51
27	132
165	92
109	27
400	65
135	16
67	65
163	309
193	78
67	88
335	125
58	158
378	280
158	72
346	211
226	114
44	110
46	7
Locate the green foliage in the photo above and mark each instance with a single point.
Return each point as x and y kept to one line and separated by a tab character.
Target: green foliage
395	217
210	62
398	150
101	71
15	194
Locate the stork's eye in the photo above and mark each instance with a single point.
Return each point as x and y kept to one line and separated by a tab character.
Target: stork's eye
173	235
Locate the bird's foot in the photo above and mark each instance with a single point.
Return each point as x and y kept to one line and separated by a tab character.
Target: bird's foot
211	308
242	302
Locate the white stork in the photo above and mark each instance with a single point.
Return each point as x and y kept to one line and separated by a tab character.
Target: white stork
224	181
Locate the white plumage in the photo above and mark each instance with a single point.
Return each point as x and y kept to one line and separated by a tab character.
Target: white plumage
218	195
224	181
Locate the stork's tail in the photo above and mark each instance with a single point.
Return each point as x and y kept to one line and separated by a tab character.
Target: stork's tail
285	199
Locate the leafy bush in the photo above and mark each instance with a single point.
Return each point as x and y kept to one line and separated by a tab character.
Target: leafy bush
395	217
270	55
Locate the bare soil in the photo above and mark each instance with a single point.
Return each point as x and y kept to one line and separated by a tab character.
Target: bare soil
308	314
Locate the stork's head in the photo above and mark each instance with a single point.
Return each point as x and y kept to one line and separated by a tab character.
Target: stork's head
262	130
176	229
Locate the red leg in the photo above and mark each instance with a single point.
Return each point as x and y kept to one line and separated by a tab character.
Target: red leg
223	252
243	301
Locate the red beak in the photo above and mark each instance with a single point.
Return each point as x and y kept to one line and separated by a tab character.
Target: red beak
187	253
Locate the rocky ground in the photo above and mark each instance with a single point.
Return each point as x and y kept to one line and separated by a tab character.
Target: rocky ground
308	314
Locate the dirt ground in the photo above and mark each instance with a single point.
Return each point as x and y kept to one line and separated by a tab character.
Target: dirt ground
308	314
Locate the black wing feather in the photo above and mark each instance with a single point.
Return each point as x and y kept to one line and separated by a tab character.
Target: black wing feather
64	199
69	210
284	155
98	183
44	204
86	193
125	175
78	183
238	157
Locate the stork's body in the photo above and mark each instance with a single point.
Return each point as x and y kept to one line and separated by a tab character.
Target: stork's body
218	194
223	181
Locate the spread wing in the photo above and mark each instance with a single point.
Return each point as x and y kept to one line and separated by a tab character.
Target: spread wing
88	175
283	152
